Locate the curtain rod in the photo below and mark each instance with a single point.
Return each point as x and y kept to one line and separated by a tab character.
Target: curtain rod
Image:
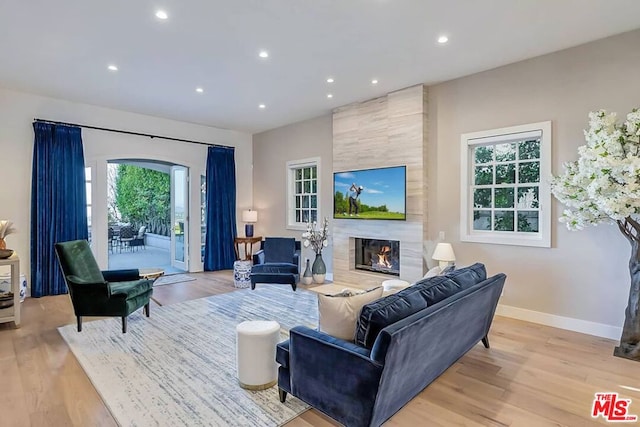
169	138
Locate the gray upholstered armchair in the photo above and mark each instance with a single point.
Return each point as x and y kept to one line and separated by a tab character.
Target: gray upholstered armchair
277	261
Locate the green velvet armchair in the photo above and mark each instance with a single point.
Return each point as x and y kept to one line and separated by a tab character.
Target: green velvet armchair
100	293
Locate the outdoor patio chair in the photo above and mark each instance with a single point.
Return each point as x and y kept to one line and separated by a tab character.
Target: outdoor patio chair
126	236
110	236
100	293
138	240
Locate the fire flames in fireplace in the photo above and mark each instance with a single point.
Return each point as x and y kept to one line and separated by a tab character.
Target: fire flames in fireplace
384	260
382	256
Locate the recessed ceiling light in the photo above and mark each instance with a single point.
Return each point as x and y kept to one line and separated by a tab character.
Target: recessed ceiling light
112	68
329	95
443	39
161	14
199	90
263	54
330	80
374	81
262	106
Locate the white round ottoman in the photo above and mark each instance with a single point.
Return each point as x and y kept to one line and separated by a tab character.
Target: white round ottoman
256	353
394	285
242	274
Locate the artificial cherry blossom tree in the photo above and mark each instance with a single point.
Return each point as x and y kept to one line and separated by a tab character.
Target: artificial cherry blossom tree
603	186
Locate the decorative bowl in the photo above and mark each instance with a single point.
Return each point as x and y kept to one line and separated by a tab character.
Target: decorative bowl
5	253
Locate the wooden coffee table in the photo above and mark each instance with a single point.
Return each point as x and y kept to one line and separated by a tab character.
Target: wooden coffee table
333	289
151	273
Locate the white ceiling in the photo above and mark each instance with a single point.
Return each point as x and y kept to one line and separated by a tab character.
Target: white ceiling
62	49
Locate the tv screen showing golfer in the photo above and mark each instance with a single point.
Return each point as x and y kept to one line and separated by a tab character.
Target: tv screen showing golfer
370	194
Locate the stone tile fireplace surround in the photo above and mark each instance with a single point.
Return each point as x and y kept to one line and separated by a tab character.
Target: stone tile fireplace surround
382	132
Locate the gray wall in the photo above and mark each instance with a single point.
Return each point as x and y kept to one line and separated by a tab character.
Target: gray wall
584	275
582	281
272	150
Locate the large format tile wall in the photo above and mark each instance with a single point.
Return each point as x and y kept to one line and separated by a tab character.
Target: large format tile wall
386	131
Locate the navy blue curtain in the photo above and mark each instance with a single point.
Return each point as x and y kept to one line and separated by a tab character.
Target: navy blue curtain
58	202
219	253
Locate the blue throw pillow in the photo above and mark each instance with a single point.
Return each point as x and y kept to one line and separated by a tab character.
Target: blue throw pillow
468	276
438	288
377	315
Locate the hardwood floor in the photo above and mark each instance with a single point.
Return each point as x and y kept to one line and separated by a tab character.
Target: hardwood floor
205	285
532	375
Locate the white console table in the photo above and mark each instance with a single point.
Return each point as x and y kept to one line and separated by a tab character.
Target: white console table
12	314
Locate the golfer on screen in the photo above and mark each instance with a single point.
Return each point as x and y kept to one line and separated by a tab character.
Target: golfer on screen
354	193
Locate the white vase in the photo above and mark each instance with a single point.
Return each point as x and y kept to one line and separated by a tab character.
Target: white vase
307	277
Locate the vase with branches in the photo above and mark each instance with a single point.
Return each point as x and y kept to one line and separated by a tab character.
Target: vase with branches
603	186
317	239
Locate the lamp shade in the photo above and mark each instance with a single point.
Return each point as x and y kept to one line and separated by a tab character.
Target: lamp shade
444	252
250	216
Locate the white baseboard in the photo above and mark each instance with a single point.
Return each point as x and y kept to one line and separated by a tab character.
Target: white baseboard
568	323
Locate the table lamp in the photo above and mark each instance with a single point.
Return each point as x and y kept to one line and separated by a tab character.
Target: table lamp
249	217
444	254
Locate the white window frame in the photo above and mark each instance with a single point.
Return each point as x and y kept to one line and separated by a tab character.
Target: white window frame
291	167
89	206
497	136
203	213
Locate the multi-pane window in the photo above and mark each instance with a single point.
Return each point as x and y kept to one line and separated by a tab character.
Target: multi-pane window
505	193
303	194
506	186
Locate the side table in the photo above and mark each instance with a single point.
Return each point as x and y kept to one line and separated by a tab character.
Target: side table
242	274
12	314
248	246
150	273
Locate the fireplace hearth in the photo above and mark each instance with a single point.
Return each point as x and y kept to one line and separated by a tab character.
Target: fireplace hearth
380	256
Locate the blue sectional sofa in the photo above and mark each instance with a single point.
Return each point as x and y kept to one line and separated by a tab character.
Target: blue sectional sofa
403	342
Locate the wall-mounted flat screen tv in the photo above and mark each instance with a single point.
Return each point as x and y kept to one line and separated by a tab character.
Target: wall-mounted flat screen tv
370	194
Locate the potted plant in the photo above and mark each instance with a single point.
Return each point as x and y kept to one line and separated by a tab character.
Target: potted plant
318	239
6	228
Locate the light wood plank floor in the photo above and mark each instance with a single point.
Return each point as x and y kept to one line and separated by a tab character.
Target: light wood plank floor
533	375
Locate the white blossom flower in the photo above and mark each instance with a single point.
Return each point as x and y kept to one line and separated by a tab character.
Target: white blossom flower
317	238
603	185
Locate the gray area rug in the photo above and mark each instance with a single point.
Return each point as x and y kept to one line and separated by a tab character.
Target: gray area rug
177	368
173	278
